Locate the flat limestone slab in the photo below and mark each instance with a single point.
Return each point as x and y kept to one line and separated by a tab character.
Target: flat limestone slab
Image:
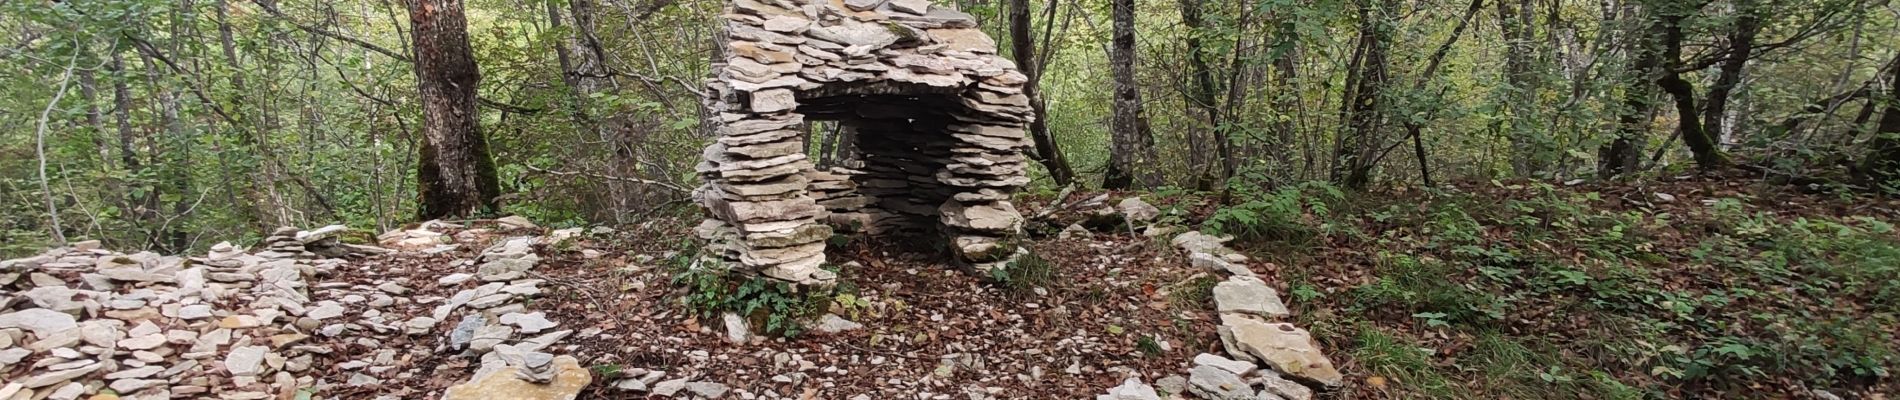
569	379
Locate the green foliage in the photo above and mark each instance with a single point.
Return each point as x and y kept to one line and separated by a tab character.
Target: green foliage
1026	273
1396	358
606	370
1193	293
779	308
1714	299
1287	214
1148	345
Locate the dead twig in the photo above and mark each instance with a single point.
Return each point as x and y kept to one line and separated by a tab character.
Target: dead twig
1057	204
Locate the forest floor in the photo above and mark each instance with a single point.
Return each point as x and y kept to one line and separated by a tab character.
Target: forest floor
1686	288
1690	288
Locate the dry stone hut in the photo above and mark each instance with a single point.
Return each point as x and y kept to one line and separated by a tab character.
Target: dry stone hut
936	118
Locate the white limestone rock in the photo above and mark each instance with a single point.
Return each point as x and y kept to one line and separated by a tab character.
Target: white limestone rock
1248	295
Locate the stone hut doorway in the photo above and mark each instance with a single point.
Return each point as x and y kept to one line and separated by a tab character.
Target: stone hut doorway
936	117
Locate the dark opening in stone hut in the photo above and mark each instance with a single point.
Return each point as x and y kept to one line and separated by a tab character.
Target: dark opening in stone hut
936	118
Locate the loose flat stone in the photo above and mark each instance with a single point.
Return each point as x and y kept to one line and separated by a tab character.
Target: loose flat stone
529	323
710	390
918	7
669	388
13	355
246	360
1131	389
195	311
1284	347
42	322
1235	367
1213	262
454	279
1218	384
465	330
568	380
1273	385
134	385
1248	295
419	325
146	342
135	373
737	330
832	323
60	376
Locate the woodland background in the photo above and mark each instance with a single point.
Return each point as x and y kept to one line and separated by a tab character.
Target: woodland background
169	125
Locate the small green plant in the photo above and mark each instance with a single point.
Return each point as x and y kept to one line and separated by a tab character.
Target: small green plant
1027	272
606	370
1193	293
1305	292
780	308
1148	345
1282	214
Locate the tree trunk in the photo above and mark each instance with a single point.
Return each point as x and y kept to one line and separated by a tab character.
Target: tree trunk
1200	95
1355	150
1514	20
1416	129
1707	156
1131	152
1286	102
89	91
455	176
269	205
1022	48
1883	166
1741	45
1624	153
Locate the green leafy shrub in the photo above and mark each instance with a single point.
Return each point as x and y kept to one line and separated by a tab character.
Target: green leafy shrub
1027	272
778	307
1280	214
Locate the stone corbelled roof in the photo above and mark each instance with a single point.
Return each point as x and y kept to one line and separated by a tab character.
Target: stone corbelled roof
804	45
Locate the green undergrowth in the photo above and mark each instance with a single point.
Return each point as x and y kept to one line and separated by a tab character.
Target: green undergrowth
1542	292
1024	274
769	305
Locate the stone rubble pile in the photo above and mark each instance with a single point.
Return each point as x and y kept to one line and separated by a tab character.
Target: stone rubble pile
1253	333
936	115
79	320
497	327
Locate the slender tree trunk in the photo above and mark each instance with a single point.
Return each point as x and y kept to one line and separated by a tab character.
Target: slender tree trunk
1201	96
1022	48
143	209
1285	103
1741	45
1883	166
1707	156
455	176
1624	153
1131	152
1240	67
1415	129
39	143
1355	151
1514	18
89	91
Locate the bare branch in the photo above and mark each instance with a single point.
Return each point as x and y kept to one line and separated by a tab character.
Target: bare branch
271	8
665	185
